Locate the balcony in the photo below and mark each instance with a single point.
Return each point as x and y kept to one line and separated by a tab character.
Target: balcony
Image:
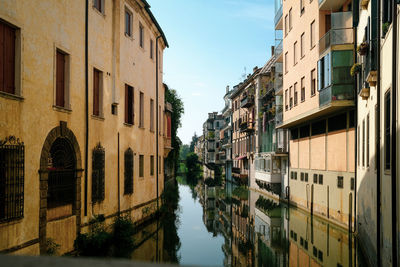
336	93
278	81
370	65
167	146
278	15
279	114
278	51
247	101
340	34
330	5
235	170
246	126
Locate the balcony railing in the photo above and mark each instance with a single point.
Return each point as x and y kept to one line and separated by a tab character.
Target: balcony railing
278	48
247	101
246	126
279	114
335	37
236	170
278	14
335	93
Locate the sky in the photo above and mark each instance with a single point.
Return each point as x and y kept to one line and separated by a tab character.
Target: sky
212	44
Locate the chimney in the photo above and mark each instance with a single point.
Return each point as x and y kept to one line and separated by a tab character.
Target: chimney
272	50
227	89
255	69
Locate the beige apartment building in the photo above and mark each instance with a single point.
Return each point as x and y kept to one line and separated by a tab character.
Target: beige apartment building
318	93
78	118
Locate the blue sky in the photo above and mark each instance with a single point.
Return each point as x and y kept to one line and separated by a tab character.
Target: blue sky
211	44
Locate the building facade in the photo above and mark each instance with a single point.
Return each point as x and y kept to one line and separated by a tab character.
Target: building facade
319	106
78	118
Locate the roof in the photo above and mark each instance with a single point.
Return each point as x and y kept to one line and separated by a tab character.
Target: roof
153	19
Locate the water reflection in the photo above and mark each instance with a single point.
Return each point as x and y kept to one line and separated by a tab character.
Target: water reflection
233	226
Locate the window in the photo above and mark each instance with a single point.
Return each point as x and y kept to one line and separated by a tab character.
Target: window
303	90
352	183
141	35
128	172
141	166
312	34
61	79
295	53
363	144
340	181
305	131
151	48
302	45
295	94
302	176
160	119
318	127
367	148
320	179
141	118
324	72
151	165
7	58
129	105
151	115
99	5
315	178
290	19
97	92
286	62
302	7
313	82
12	157
387	121
128	23
286	24
294	133
306	177
291	98
338	122
98	162
286	99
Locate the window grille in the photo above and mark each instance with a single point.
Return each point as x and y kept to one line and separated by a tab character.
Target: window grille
128	186
98	162
11	179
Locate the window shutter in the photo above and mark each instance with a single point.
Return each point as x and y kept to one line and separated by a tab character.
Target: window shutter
126	104
2	59
96	89
132	107
60	70
7	58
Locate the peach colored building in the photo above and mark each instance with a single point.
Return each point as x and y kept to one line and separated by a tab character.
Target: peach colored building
318	100
77	118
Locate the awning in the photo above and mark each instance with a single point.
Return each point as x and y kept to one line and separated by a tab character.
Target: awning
241	157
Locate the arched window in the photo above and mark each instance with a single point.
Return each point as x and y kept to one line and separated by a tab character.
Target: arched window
98	162
128	171
61	166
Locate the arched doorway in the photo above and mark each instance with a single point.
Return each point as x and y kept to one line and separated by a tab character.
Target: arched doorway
60	189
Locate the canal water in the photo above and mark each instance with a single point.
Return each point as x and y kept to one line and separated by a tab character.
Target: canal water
234	226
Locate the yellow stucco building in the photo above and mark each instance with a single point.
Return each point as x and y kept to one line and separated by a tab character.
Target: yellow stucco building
78	117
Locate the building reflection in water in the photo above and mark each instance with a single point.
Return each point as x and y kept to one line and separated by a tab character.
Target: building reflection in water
260	231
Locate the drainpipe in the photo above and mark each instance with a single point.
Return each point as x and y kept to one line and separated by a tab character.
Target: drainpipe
394	133
86	105
378	138
158	37
355	25
119	185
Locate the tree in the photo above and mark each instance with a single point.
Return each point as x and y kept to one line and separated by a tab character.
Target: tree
193	167
184	152
193	142
172	97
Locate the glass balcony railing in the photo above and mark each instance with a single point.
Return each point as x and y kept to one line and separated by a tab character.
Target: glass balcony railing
278	48
335	93
335	37
278	14
278	82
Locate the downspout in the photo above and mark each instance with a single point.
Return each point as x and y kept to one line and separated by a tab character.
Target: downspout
355	25
394	133
158	37
86	105
378	138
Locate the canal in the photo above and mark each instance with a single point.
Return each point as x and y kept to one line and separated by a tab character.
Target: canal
234	226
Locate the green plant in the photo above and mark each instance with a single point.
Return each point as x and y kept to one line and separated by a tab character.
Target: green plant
355	69
385	28
51	247
122	236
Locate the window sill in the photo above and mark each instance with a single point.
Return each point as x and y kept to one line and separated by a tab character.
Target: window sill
141	127
102	13
62	109
313	95
11	221
129	36
11	96
96	117
128	124
312	47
